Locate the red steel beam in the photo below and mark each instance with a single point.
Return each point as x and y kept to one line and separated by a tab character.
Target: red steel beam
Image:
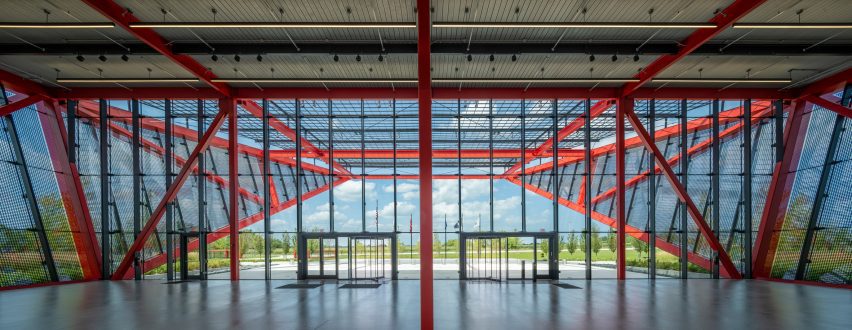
640	234
170	195
21	85
20	104
723	20
828	84
778	194
662	134
71	190
563	133
424	116
257	111
230	106
699	147
414	153
223	232
623	105
828	105
411	93
682	194
124	17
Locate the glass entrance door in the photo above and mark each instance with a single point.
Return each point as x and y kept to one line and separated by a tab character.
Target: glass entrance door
190	267
321	258
370	258
542	258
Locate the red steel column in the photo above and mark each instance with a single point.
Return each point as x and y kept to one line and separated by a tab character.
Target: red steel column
621	219
424	95
779	191
233	186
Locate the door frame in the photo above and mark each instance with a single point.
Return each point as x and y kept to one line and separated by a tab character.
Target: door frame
302	243
553	251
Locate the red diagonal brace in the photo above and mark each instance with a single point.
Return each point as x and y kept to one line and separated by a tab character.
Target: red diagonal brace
255	109
828	105
682	194
563	133
723	20
20	104
170	195
693	257
698	147
778	194
124	17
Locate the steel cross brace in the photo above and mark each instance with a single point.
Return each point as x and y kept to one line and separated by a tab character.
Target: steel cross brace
682	194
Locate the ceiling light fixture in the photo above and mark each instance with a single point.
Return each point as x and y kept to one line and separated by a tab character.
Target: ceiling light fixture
514	57
17	25
102	58
80	58
336	58
272	25
381	58
259	58
214	58
357	58
592	58
237	57
310	81
721	80
469	57
577	25
491	58
126	80
125	58
792	26
636	57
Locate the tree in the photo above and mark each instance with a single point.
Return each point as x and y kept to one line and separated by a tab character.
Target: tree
544	246
286	243
610	240
596	244
639	245
582	242
572	243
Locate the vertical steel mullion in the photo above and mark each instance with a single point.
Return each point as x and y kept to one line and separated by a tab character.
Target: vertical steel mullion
267	204
331	172
363	174
395	228
778	108
716	172
459	159
523	161
587	199
137	180
26	181
301	250
106	249
167	164
821	191
555	169
684	169
490	165
652	193
747	203
203	226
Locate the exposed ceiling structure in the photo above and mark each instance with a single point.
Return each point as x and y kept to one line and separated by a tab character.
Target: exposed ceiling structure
344	42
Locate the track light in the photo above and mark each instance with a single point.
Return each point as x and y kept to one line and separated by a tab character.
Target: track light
721	80
125	58
491	58
614	57
336	58
214	58
469	57
80	58
514	57
237	58
381	58
592	58
357	58
259	58
635	57
102	58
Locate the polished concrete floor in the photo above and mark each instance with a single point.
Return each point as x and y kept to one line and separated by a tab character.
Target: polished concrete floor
598	304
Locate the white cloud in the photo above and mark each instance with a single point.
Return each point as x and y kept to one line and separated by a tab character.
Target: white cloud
350	191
